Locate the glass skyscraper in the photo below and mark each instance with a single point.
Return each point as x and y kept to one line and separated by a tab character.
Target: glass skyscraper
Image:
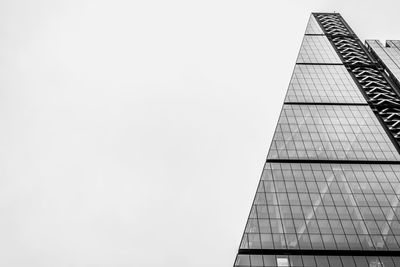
329	193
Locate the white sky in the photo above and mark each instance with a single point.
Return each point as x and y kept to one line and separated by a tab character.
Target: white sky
133	133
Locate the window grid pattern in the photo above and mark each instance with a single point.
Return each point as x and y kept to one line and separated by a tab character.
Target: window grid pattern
335	132
393	43
390	56
317	49
315	261
325	207
321	206
313	26
323	83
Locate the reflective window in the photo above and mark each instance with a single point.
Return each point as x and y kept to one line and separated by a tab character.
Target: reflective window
317	49
315	261
323	83
330	132
329	206
390	55
313	26
319	207
282	261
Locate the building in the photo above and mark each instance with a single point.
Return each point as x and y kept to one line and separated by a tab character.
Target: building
329	193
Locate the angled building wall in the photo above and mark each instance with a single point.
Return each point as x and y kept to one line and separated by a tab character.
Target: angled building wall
329	193
389	55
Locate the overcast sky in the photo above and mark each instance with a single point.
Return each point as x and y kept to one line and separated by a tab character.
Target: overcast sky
133	133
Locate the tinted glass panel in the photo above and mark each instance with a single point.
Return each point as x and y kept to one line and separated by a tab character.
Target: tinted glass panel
315	261
317	49
390	55
326	206
330	132
323	83
313	26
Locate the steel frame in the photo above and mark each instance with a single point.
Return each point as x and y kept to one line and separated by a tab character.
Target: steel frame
379	91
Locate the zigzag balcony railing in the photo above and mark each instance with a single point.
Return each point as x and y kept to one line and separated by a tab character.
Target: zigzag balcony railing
350	51
375	86
380	94
332	25
391	117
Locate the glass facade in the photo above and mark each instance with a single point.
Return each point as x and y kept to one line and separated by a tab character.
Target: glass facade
389	55
329	194
324	207
323	84
313	27
336	132
317	49
315	261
